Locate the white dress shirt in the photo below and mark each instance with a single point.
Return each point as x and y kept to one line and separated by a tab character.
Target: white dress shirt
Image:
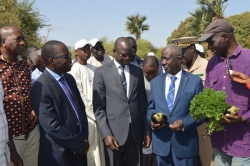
126	72
168	82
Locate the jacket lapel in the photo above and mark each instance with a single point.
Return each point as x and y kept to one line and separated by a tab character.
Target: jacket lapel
162	94
183	82
131	80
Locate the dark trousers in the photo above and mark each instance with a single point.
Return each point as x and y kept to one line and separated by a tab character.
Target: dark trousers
128	154
149	160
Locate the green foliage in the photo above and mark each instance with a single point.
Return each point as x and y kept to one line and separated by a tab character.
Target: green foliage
23	15
108	45
135	26
158	52
241	24
210	104
144	47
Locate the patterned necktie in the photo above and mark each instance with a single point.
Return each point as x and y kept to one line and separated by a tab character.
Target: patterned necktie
123	78
171	91
72	101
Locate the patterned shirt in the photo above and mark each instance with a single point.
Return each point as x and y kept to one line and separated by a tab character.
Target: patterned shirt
16	80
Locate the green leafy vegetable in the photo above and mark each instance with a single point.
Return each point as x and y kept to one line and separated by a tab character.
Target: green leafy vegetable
210	104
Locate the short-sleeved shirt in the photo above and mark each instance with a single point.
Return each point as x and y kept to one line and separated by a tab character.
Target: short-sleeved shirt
16	80
235	139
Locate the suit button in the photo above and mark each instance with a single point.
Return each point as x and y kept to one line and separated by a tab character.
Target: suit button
128	115
78	123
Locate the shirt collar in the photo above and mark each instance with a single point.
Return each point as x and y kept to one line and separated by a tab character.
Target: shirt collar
56	76
117	64
178	75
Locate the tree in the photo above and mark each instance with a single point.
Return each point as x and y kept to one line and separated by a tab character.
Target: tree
144	47
206	13
135	26
241	24
108	45
23	15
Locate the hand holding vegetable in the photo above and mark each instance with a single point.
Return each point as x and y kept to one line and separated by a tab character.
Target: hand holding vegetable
158	121
232	119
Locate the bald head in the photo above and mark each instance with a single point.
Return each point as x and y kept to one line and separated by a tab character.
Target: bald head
122	50
5	31
151	61
174	49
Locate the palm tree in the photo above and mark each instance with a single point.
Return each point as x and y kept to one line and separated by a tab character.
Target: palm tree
208	11
135	26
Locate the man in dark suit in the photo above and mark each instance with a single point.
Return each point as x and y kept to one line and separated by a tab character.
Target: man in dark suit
175	142
119	101
60	109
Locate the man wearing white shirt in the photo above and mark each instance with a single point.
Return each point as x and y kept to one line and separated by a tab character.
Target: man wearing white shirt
175	142
36	58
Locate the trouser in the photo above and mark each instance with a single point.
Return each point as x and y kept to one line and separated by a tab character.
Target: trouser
28	148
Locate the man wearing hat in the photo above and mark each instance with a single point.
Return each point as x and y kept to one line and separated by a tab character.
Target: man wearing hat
231	146
84	74
99	58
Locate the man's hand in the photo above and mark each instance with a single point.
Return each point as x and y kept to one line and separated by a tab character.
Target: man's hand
157	126
32	122
176	126
147	141
86	147
14	156
233	119
111	143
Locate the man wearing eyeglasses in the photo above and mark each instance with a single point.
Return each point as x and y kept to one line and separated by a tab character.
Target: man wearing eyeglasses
120	103
99	58
135	60
60	109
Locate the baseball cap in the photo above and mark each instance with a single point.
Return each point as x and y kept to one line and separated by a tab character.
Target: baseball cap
199	48
218	25
151	54
94	41
81	43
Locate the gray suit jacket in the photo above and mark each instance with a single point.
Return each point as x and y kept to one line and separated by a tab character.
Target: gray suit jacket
113	110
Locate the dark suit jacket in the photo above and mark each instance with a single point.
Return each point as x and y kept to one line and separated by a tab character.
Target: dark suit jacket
184	143
113	110
59	127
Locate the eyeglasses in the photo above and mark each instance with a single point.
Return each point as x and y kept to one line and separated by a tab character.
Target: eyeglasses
67	56
134	47
97	48
125	55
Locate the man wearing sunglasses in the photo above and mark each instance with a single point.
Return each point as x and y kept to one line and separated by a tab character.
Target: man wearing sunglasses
231	146
99	58
135	60
120	103
60	109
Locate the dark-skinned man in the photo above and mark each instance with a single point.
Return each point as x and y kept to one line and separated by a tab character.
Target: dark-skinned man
119	101
16	78
150	70
99	58
231	146
29	50
193	63
135	60
37	60
176	141
61	112
84	74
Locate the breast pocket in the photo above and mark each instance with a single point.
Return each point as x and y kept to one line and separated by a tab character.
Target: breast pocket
213	82
111	116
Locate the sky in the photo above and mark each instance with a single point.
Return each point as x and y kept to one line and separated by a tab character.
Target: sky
72	20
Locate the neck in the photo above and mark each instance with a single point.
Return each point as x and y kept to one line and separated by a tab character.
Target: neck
232	49
8	58
101	58
192	62
81	61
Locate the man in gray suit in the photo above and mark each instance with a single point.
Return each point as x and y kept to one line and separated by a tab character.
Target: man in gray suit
119	101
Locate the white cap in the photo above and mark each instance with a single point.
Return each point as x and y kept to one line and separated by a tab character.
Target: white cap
199	48
81	43
94	41
151	54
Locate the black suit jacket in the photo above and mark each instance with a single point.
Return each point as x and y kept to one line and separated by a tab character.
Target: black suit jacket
113	109
59	127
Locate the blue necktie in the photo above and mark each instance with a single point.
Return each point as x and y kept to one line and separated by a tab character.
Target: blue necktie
72	101
171	91
123	79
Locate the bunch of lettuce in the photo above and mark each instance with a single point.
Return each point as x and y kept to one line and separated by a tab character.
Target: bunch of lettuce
211	105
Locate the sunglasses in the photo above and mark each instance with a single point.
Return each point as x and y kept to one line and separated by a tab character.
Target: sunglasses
97	48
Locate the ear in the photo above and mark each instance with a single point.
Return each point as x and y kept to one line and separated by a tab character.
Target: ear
3	42
225	36
114	51
51	61
180	59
